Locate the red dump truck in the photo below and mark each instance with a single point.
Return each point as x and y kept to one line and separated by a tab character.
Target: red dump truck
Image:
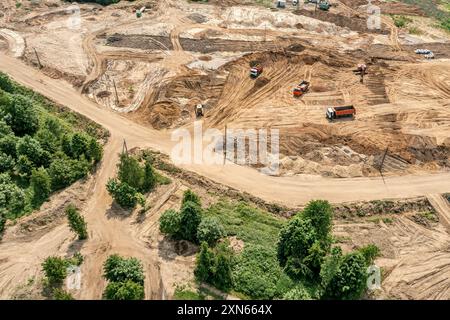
256	71
301	88
340	112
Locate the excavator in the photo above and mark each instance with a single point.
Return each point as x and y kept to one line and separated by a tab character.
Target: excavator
361	70
321	4
301	89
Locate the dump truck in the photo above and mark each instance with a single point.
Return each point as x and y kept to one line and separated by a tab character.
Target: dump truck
301	88
340	112
256	71
199	110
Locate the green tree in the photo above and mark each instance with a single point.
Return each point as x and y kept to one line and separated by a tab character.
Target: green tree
76	222
169	223
190	196
41	185
349	280
6	83
12	198
2	220
190	220
8	145
60	172
95	150
294	243
118	269
122	193
320	213
150	178
32	149
4	129
130	172
20	114
7	162
79	145
204	265
55	269
24	166
127	290
222	274
210	231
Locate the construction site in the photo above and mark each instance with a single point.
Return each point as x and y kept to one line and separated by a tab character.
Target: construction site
361	103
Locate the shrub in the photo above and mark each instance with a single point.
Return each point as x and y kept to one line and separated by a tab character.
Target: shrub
60	294
297	293
20	114
41	185
55	269
190	196
76	222
190	220
204	264
122	193
127	290
210	231
169	223
118	269
5	83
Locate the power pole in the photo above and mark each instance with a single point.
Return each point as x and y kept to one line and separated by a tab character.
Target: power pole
382	161
124	147
225	147
37	57
115	90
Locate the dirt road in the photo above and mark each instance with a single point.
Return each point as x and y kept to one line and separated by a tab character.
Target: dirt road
291	191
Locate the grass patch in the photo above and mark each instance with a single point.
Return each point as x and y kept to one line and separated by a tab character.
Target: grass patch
181	293
430	216
401	21
415	31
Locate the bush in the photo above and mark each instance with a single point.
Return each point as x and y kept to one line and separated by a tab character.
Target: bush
41	185
210	230
122	193
370	253
297	293
55	269
150	178
190	220
127	290
190	196
76	222
204	264
169	223
118	269
60	294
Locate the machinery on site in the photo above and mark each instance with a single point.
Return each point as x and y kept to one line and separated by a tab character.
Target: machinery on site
334	113
428	54
361	70
321	4
301	89
255	71
281	3
199	110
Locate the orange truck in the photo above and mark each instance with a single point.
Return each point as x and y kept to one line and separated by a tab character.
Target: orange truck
340	112
301	88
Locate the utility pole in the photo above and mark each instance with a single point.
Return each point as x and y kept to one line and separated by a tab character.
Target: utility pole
124	147
384	158
115	90
37	57
225	147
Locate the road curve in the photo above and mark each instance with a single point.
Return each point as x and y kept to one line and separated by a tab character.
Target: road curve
290	191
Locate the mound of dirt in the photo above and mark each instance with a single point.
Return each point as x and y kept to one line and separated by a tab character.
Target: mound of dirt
161	115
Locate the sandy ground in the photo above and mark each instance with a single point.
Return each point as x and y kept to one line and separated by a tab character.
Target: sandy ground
402	105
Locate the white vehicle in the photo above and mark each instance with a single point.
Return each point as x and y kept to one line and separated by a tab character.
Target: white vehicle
294	2
281	3
422	51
